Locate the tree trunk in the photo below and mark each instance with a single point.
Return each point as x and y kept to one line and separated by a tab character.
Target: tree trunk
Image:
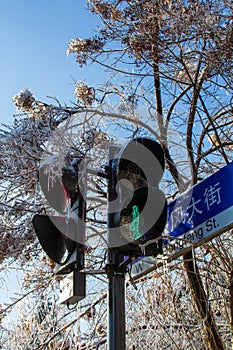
213	338
231	307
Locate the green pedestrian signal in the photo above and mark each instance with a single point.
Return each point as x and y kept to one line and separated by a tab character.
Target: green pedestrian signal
135	221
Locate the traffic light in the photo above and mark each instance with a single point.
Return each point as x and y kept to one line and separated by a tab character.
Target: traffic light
62	236
137	208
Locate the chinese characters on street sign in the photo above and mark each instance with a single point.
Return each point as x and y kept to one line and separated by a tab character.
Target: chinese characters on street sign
200	213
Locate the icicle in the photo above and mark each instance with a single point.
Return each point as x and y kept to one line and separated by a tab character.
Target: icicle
165	268
48	174
143	249
194	258
68	210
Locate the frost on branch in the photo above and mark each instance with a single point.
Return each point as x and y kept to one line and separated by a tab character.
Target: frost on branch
20	151
24	100
21	148
85	93
83	47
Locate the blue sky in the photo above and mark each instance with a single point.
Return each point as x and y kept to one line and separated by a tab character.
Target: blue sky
34	36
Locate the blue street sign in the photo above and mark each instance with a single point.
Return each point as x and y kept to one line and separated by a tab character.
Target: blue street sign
201	212
196	216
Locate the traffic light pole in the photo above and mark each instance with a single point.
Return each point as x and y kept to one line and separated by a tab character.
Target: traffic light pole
116	302
115	270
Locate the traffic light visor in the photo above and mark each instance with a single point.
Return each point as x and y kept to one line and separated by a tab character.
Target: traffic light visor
56	245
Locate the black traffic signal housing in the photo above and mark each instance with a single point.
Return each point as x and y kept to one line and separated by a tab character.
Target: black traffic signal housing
62	236
137	208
